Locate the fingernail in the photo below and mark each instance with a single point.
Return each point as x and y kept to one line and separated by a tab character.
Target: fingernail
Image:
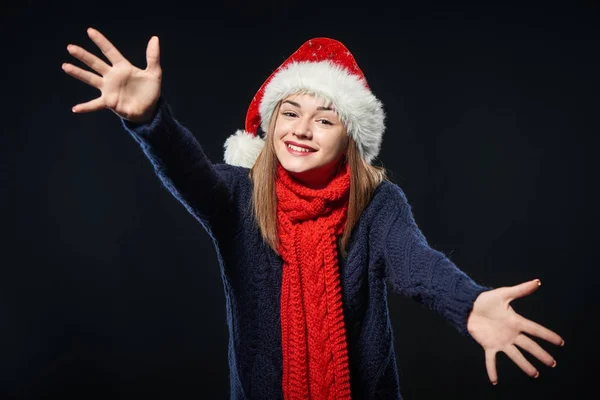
563	343
537	374
538	282
73	109
494	383
553	364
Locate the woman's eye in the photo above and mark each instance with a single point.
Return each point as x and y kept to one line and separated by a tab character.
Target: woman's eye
325	122
289	114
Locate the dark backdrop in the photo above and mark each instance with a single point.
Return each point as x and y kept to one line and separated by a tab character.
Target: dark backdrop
110	289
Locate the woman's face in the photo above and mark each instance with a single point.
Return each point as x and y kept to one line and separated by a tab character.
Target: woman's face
309	139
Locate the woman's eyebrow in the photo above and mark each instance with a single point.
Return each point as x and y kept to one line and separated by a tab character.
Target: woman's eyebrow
298	105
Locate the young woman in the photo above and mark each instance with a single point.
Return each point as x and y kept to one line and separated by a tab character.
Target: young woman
307	231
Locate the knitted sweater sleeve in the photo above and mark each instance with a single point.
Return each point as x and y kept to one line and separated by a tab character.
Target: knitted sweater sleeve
415	269
180	163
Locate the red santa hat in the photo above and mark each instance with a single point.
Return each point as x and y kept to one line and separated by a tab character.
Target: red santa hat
323	67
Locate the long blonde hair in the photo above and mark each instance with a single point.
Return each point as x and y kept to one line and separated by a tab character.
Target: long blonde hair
364	179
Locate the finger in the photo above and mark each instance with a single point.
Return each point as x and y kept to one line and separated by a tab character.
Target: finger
88	59
92	105
490	366
535	350
153	54
514	354
83	75
540	331
524	289
107	48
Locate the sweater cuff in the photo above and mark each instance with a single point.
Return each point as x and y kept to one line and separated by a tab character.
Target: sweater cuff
459	306
143	133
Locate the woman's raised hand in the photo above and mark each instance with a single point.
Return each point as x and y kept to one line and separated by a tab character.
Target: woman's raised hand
128	91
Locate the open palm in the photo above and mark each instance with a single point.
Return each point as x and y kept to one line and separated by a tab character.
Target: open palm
130	92
497	327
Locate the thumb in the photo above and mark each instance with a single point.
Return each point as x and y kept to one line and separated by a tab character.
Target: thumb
523	289
153	54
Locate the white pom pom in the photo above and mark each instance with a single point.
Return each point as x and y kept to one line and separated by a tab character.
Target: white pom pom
242	149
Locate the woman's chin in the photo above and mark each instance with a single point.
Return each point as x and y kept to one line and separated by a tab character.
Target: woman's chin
296	166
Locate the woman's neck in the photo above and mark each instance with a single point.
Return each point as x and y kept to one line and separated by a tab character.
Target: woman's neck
318	178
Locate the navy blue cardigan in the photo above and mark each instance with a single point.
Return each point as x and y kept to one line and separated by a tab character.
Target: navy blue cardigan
386	246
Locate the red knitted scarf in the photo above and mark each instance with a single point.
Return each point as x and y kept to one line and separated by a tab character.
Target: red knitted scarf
315	354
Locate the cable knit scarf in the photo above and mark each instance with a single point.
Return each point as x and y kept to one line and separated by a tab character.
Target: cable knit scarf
315	354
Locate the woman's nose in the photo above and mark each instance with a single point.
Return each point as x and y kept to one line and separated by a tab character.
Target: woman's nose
302	128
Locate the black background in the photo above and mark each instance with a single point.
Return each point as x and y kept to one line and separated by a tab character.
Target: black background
110	289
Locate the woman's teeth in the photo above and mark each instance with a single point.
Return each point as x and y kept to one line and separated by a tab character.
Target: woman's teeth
296	148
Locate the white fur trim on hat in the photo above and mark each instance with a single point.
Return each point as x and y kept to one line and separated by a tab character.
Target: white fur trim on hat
242	148
360	111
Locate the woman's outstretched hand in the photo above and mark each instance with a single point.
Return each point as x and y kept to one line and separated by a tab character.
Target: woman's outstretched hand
497	327
128	91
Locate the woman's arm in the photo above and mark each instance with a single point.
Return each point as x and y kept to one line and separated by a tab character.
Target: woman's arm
134	94
484	313
415	269
180	163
